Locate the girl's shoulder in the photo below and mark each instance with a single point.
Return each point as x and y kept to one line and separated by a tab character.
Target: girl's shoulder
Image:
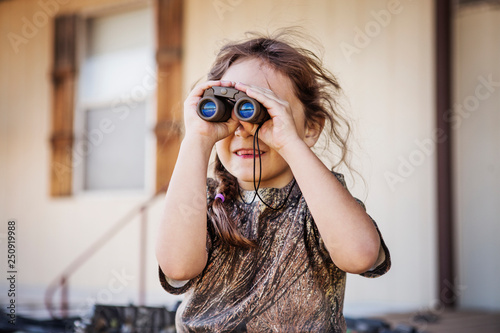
340	178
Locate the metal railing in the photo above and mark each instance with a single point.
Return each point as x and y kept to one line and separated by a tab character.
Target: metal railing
62	281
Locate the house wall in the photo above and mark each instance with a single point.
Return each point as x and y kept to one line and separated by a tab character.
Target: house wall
382	53
387	76
53	231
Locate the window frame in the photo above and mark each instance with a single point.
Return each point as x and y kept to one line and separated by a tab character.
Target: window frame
82	107
168	116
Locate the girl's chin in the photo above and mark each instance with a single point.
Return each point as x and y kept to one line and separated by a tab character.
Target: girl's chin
246	178
248	181
248	184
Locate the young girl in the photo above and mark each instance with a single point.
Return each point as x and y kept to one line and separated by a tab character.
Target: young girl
276	261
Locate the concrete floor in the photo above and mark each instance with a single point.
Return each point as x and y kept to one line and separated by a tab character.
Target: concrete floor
461	321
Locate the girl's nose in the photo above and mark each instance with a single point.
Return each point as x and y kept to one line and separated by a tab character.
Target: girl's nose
242	132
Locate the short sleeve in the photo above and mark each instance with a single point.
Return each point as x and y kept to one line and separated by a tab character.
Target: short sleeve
174	287
383	266
177	287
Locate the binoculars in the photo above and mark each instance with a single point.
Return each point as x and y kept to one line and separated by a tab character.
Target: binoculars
218	103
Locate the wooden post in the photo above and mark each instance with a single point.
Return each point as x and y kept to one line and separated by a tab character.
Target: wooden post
169	14
142	256
446	268
63	78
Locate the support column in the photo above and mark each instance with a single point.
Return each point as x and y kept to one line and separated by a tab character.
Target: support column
169	14
446	258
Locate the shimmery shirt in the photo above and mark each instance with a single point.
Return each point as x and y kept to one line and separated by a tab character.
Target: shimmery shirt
288	283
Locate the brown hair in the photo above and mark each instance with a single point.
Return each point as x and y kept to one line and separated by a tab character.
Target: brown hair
315	87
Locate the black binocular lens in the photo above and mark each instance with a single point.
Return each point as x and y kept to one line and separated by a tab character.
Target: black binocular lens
208	109
246	110
214	109
249	110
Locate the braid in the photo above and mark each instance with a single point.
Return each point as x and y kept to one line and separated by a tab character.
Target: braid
228	184
224	225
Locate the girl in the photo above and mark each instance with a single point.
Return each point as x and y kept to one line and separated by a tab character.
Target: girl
272	259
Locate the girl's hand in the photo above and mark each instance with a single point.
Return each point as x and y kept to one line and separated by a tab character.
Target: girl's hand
211	131
281	129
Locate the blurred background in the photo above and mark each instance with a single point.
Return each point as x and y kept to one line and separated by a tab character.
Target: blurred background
91	119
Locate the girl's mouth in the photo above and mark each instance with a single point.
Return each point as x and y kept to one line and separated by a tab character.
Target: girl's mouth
248	153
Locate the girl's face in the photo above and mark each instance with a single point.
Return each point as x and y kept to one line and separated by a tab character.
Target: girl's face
236	151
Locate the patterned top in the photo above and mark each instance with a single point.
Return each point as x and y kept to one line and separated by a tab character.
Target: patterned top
288	283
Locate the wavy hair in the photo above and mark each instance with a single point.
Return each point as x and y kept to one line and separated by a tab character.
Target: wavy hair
317	89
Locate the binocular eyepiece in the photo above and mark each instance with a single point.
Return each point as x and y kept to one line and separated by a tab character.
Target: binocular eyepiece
218	103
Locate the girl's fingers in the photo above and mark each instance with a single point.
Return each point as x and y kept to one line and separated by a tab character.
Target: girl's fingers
265	94
227	83
260	94
194	123
274	105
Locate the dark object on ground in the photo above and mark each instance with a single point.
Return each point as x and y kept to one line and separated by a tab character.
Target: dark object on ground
367	325
30	325
104	319
426	317
124	319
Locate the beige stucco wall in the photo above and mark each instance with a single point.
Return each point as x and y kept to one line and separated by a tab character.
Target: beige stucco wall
388	81
382	53
53	231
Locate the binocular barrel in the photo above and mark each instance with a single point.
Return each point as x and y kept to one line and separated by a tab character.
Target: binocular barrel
218	103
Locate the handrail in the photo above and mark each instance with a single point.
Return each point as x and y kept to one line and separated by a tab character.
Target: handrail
62	280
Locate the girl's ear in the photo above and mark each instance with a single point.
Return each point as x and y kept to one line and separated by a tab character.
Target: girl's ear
313	131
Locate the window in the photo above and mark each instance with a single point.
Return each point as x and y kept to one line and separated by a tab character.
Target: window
104	78
114	102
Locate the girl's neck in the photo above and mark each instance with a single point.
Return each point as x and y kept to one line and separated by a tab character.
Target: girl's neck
277	182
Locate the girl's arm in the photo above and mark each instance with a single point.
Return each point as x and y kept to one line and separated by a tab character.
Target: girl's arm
181	243
182	235
346	229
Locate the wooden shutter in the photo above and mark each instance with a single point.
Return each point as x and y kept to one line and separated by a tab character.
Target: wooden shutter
169	94
63	80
